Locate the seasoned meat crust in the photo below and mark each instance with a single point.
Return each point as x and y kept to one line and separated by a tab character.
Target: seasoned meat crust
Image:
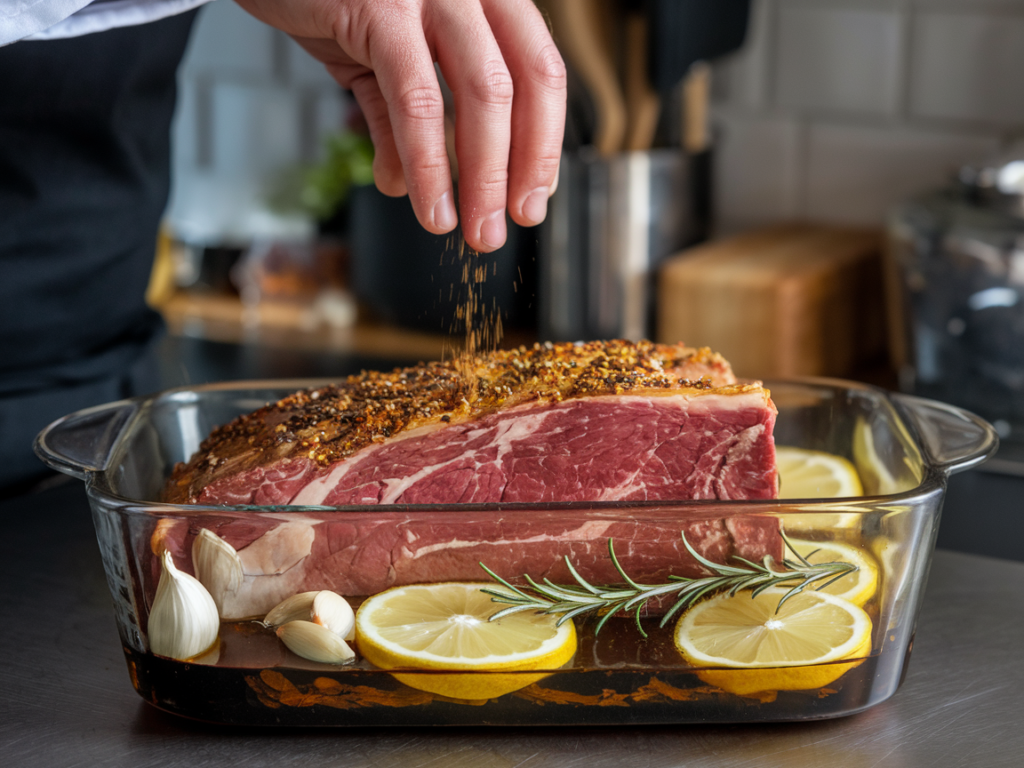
328	424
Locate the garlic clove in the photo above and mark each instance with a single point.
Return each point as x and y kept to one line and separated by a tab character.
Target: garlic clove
314	642
183	621
332	611
217	566
296	607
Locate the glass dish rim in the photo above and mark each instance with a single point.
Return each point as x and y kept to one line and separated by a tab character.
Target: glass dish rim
933	478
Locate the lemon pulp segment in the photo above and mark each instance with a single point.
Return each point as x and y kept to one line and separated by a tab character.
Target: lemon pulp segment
445	627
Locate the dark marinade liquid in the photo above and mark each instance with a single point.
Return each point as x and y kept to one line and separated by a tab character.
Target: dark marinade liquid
615	678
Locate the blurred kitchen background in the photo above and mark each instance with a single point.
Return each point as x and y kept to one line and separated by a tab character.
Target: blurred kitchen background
812	187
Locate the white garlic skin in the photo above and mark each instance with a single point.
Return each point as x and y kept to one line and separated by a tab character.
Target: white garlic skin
183	621
296	607
323	607
217	566
315	642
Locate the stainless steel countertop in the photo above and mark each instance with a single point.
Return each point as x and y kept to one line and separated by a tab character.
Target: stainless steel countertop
66	700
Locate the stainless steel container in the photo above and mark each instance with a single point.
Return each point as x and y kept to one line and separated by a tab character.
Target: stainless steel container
903	449
610	223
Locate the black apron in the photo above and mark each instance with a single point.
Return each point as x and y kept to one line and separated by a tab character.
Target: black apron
84	178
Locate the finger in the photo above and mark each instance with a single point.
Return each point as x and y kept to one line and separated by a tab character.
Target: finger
538	112
480	82
387	165
350	74
408	84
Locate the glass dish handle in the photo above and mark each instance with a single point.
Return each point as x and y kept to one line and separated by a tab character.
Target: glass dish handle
82	443
953	438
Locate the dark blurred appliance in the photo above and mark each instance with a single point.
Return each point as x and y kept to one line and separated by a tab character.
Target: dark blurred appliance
955	282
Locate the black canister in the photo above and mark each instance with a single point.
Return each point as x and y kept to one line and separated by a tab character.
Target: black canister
411	277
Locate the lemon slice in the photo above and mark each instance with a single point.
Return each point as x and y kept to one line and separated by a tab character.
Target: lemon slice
877	476
444	628
857	587
806	474
811	641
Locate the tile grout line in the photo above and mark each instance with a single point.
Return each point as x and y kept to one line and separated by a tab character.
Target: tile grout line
769	73
907	17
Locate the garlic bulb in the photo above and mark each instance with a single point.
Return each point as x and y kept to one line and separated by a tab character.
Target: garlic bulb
314	642
183	621
332	611
217	565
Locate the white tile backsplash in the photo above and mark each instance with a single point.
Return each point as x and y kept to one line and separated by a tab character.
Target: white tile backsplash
257	129
304	70
880	99
252	104
856	173
331	110
186	127
207	207
756	170
836	58
227	42
968	66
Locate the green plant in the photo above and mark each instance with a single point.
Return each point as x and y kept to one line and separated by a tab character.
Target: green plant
320	190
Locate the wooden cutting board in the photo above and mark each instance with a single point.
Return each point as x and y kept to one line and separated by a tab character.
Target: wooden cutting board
791	300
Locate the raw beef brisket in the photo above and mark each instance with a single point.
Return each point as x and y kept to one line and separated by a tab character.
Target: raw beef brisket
594	422
363	553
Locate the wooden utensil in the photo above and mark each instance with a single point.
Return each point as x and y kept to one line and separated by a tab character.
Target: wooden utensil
582	34
642	102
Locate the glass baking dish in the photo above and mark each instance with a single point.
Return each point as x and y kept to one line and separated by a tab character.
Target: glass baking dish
904	448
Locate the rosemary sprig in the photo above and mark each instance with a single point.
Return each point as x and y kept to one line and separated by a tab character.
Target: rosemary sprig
576	599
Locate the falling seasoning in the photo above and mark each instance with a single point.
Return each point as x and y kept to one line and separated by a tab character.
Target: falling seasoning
482	324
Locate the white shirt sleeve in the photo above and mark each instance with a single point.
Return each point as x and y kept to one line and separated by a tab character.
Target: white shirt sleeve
54	19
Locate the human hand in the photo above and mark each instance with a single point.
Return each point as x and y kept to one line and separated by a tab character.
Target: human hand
505	74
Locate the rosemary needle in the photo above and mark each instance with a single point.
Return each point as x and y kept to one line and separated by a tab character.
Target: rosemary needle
571	600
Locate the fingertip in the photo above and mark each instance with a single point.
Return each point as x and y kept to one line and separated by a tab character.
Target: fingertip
387	181
535	207
445	218
493	231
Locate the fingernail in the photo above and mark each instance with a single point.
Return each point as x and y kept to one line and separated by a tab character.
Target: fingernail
445	217
554	184
492	231
536	206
